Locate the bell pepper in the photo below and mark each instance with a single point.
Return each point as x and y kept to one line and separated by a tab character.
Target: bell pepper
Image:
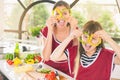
30	61
37	59
17	61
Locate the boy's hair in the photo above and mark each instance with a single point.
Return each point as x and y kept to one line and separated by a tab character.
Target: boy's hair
90	28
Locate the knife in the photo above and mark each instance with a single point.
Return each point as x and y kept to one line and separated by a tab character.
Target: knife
57	75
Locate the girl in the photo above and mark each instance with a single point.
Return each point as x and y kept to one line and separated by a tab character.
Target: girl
55	34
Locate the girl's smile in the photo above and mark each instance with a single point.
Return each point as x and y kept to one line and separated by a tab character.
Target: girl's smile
62	14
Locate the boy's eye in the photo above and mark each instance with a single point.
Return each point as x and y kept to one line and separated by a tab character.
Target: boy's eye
94	38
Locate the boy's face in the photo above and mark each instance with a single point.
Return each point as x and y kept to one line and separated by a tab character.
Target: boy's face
90	41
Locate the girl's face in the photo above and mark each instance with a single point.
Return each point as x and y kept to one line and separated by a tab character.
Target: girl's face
61	13
90	42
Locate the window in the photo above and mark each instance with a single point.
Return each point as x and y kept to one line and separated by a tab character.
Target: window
105	11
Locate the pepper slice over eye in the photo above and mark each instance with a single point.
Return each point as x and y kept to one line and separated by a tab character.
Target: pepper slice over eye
90	40
59	13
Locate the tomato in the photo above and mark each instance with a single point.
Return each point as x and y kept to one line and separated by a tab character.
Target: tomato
10	62
47	76
52	73
50	76
37	58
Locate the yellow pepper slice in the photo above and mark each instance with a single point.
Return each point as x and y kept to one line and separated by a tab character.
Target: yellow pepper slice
30	61
17	61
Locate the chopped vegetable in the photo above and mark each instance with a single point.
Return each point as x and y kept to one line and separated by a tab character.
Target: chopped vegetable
37	58
9	56
50	76
30	61
17	61
10	62
32	58
43	70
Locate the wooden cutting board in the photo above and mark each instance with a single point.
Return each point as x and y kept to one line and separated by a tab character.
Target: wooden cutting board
35	76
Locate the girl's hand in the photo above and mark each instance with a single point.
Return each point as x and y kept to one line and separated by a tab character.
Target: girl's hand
76	33
51	21
73	22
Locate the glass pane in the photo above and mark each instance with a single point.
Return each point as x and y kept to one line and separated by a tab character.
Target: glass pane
104	11
36	16
12	13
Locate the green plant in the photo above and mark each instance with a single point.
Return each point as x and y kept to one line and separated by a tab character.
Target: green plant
80	18
35	31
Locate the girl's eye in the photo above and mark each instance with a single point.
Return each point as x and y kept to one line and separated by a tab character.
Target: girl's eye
56	13
64	13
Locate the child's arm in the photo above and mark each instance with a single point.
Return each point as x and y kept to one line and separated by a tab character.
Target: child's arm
60	49
112	43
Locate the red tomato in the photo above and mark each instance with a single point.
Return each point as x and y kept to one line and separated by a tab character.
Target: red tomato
37	58
47	76
10	62
52	73
50	76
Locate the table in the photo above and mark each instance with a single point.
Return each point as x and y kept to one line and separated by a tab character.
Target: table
116	73
8	71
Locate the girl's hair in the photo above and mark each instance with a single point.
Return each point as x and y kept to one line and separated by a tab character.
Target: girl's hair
61	3
90	28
